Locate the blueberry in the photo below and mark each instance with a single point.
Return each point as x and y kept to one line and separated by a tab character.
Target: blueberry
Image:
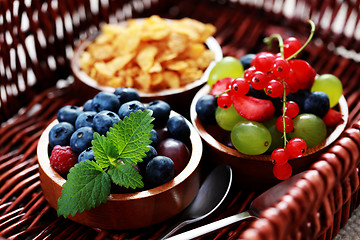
87	154
205	108
85	119
246	60
105	101
317	103
127	94
178	128
81	139
128	107
258	94
159	170
154	138
88	106
161	111
68	114
149	155
60	134
299	97
104	120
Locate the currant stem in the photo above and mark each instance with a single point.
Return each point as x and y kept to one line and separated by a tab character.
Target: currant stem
269	39
312	24
227	90
283	115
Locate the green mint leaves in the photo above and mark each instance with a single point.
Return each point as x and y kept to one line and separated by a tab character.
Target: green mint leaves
125	144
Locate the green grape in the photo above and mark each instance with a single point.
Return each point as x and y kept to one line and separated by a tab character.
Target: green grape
310	128
277	140
330	85
250	137
227	67
227	118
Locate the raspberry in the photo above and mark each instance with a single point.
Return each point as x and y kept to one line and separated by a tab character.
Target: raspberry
62	159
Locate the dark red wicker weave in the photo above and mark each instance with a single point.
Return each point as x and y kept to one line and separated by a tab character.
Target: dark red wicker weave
36	42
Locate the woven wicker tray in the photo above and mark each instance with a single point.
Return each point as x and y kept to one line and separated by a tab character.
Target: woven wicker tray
36	42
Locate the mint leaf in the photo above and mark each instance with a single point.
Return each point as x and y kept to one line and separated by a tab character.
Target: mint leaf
126	175
132	136
87	186
105	152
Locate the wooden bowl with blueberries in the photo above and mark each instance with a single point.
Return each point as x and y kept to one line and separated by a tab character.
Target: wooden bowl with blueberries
119	166
242	120
166	62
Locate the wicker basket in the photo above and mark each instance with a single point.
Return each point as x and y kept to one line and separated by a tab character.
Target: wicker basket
36	43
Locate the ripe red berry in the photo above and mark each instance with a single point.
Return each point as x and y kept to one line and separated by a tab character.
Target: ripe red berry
220	86
296	147
291	46
259	80
279	156
239	86
282	172
280	67
290	79
332	118
62	158
289	124
249	73
305	74
224	100
275	88
263	61
292	109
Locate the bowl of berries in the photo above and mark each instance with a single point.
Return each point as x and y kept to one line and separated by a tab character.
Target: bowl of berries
272	120
119	166
163	59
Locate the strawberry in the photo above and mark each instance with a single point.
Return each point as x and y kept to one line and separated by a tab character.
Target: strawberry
254	109
62	158
305	74
332	118
220	86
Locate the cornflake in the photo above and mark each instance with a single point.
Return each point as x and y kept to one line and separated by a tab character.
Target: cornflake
151	54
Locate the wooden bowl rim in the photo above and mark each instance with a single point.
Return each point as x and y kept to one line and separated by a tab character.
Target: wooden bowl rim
194	161
227	150
211	43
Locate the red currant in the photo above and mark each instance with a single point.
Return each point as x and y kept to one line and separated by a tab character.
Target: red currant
249	73
290	79
305	74
291	46
282	172
263	61
296	147
292	109
259	80
239	86
281	67
289	124
224	100
275	88
279	156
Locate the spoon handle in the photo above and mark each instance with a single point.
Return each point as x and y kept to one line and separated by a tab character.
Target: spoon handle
211	227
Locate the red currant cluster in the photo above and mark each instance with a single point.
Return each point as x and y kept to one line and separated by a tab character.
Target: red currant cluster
278	75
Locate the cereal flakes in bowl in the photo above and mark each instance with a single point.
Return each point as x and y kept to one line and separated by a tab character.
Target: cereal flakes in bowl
161	58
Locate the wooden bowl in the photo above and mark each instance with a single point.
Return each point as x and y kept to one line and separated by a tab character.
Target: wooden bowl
251	172
84	84
130	210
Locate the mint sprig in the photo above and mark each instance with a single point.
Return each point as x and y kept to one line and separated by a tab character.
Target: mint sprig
89	182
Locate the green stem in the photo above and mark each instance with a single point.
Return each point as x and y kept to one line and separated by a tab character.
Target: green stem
284	113
312	24
268	41
227	90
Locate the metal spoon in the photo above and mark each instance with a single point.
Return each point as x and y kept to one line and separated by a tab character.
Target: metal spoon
211	195
260	203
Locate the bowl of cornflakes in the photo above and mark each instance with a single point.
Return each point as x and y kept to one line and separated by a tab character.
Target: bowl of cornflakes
161	58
